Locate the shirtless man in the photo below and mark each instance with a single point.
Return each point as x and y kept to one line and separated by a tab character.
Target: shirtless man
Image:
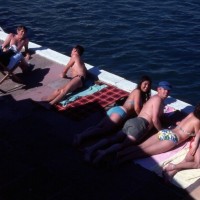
166	140
135	128
16	42
78	72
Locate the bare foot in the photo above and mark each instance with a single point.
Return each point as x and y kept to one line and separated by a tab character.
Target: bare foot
169	172
77	141
169	167
99	157
45	104
88	155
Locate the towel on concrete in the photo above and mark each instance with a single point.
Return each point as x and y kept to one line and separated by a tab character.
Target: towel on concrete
84	92
156	163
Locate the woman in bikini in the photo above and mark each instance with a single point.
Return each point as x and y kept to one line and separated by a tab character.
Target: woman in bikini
165	139
118	114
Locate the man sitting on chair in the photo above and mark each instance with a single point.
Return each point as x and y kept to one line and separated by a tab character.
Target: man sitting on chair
12	47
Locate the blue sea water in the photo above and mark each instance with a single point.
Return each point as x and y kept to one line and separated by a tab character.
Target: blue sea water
129	38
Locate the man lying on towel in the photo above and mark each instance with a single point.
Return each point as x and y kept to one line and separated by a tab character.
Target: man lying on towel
78	71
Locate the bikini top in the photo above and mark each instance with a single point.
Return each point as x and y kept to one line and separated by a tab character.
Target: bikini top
130	102
190	134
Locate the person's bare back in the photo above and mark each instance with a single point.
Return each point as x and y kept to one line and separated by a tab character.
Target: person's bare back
152	110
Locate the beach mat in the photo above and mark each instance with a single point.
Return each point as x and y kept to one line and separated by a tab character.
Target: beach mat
84	106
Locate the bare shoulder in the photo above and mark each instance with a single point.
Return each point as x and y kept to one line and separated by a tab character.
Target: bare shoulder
10	36
136	91
154	100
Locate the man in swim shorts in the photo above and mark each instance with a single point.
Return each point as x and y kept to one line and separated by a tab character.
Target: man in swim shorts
136	128
78	76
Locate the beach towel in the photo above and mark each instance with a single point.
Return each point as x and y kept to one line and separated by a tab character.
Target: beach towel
84	92
156	163
182	179
98	101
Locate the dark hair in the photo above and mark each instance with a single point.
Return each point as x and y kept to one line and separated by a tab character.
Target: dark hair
80	49
21	27
145	95
197	111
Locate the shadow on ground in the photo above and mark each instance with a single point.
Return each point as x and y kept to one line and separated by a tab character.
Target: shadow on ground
38	161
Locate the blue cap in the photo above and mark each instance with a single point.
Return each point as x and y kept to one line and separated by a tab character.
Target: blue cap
164	84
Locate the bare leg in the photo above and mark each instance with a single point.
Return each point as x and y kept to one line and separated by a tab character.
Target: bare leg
104	127
24	65
139	151
69	87
113	139
190	162
52	96
59	93
114	148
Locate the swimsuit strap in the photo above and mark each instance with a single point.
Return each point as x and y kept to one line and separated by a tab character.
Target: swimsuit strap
190	134
130	102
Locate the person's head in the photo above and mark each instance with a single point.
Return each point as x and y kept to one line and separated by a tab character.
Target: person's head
196	111
164	89
144	85
21	31
79	49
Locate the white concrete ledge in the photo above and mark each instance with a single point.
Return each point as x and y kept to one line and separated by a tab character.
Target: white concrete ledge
102	75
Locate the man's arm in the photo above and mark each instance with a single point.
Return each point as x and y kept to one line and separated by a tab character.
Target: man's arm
27	54
7	41
69	64
156	113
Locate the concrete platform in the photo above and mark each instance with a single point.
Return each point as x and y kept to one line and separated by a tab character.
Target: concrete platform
38	161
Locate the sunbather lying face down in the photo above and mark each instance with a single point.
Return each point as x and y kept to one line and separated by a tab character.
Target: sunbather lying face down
134	129
118	114
166	139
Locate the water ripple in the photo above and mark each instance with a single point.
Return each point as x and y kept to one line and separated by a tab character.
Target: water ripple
129	38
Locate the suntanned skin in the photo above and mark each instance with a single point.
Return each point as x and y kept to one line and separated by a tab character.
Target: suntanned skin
20	40
191	160
132	105
153	145
151	111
77	67
76	64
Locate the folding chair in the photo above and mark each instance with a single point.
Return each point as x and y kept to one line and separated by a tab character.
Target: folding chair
9	73
6	71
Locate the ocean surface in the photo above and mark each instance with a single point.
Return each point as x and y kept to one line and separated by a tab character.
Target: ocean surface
130	38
